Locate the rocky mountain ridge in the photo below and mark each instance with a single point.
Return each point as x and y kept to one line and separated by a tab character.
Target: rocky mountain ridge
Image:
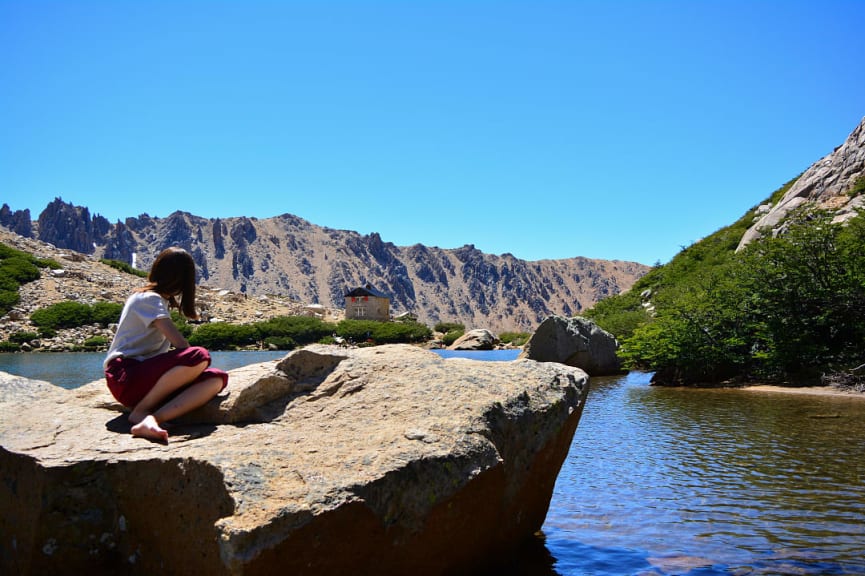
83	278
835	183
302	262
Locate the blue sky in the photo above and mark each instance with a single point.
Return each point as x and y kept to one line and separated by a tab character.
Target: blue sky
617	130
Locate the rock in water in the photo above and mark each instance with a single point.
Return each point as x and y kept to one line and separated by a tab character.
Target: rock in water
478	339
576	342
386	460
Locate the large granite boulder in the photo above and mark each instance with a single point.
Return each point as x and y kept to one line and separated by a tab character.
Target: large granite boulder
576	342
386	460
478	339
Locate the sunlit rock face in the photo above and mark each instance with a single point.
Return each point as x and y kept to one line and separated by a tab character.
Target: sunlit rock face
830	184
386	460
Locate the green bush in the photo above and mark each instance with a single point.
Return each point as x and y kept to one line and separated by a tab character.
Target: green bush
17	268
8	300
413	331
8	284
105	313
6	346
224	336
72	314
96	342
124	267
7	252
67	314
301	329
697	334
445	327
46	332
288	332
787	308
858	187
622	314
283	332
383	332
21	337
359	330
514	338
452	336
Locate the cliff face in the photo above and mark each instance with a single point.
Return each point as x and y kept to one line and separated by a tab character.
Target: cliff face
68	226
835	183
17	221
289	256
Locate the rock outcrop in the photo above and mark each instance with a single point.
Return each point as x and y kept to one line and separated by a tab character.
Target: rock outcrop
576	342
835	183
17	221
387	460
478	339
68	226
288	256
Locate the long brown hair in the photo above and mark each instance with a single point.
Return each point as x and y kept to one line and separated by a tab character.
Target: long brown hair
173	274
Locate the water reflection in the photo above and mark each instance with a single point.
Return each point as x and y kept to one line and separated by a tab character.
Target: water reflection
710	481
676	481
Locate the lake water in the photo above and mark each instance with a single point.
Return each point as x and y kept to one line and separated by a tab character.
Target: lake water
72	369
669	481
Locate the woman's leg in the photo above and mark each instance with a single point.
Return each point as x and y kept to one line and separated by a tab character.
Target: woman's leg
183	381
194	396
171	381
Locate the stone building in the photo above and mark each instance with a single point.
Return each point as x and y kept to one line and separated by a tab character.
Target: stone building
367	303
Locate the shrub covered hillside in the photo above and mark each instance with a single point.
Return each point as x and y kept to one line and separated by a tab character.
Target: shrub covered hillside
788	309
17	268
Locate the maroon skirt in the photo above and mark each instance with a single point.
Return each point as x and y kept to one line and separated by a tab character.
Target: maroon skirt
130	380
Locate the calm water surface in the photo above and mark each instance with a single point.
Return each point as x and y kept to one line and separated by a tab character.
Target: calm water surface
673	481
701	482
73	369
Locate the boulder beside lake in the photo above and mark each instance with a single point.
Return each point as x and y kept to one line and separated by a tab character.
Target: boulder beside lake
385	460
478	339
576	342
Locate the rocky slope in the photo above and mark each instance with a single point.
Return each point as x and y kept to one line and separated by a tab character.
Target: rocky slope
302	262
84	279
835	183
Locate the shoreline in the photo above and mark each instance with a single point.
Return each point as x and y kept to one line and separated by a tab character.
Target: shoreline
827	391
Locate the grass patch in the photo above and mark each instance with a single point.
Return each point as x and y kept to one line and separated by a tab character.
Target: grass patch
124	267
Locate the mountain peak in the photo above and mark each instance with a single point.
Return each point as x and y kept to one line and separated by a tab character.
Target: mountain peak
288	256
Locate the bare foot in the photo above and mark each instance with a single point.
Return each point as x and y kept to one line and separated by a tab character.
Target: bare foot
136	417
149	428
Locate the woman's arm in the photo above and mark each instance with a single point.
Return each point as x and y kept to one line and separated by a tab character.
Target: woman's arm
170	331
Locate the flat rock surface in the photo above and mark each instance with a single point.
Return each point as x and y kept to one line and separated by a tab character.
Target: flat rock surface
395	428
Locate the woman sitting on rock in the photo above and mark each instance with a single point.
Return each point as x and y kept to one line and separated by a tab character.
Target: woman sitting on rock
150	367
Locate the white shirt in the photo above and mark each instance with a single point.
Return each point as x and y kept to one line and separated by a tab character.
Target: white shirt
137	336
